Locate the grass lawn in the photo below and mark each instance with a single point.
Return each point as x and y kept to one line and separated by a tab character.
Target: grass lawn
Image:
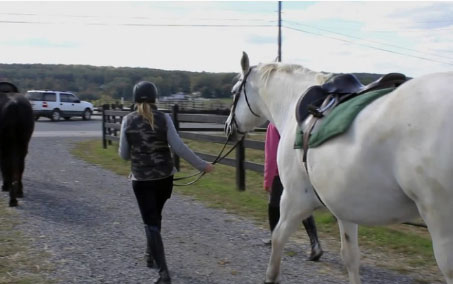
408	247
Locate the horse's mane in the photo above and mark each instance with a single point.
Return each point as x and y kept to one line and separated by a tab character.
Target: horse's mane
266	71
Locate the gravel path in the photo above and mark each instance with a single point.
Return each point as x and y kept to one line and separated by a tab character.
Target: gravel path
87	219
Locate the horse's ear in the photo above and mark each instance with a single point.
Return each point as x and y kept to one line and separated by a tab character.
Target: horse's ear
245	63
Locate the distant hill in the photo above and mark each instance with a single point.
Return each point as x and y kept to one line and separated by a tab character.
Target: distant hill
108	84
93	83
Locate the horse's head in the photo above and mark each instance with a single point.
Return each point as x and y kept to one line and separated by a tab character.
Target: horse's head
246	111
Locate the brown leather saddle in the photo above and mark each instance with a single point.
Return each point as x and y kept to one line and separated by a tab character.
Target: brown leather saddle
345	87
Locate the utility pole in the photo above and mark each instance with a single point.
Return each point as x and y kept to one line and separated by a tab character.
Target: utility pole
279	31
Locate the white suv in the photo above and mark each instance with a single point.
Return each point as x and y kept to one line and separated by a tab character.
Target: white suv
56	104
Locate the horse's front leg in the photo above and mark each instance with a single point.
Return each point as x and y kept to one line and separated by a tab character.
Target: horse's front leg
292	211
350	249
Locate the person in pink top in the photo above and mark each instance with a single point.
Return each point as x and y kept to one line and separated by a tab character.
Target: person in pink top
274	187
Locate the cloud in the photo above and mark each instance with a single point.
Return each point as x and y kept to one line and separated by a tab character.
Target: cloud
40	43
364	36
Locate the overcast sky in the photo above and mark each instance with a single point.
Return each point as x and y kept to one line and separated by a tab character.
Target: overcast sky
377	37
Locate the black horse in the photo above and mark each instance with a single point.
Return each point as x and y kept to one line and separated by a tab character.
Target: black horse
16	127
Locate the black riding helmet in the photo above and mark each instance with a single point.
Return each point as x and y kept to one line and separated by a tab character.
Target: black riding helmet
144	91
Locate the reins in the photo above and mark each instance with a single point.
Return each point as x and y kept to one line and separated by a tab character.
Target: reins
216	160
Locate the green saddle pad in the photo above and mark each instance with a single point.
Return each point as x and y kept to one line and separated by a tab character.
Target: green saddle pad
339	119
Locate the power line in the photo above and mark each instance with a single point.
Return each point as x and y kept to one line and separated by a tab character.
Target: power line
372	47
137	17
197	25
146	25
371	41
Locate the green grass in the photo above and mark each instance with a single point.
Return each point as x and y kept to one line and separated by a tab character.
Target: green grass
218	190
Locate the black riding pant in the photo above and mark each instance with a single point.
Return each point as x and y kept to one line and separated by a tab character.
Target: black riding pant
151	197
276	192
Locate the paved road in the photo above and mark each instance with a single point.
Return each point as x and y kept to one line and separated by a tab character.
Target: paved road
76	127
86	218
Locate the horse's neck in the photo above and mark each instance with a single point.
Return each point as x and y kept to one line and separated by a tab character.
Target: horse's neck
282	93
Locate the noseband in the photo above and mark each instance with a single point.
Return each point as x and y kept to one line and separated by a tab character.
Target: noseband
236	97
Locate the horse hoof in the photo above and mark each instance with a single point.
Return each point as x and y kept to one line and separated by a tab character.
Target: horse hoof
315	255
13	203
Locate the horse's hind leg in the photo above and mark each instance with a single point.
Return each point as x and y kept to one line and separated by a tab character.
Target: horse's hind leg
13	194
291	213
440	226
5	175
10	170
350	251
20	187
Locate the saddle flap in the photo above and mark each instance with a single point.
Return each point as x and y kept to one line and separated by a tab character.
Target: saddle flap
313	96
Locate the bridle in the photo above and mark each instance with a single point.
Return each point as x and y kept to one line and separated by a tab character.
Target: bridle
228	130
236	96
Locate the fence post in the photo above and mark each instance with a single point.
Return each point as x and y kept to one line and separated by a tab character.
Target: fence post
175	110
240	168
104	139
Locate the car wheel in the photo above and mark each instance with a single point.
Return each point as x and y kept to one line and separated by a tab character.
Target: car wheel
55	116
67	118
86	114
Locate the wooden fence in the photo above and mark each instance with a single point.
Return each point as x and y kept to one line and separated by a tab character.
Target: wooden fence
205	125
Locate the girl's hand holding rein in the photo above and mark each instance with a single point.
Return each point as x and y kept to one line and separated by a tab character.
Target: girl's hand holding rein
209	168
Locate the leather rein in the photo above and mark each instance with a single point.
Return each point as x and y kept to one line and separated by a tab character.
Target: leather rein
216	160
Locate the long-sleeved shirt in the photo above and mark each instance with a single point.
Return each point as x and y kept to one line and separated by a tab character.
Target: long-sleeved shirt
175	142
270	155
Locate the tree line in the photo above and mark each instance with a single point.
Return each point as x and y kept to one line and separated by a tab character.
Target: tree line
111	83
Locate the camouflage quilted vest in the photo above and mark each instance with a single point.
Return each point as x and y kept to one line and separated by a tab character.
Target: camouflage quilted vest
150	154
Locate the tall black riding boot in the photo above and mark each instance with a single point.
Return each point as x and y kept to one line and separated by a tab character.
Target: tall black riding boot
148	255
273	215
316	250
157	251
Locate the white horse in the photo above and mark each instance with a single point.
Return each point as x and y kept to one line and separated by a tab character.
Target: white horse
394	163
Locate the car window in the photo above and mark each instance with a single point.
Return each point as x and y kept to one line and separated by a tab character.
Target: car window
34	96
50	97
74	98
64	98
68	98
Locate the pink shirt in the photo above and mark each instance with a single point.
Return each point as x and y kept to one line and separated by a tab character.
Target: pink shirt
270	155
